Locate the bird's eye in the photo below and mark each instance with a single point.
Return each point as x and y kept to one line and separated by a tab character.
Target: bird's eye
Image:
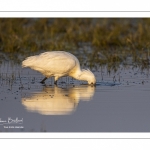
92	83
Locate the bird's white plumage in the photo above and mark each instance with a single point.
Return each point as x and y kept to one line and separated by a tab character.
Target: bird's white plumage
50	63
58	64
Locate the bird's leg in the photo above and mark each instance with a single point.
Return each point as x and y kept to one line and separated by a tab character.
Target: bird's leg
56	79
55	82
43	81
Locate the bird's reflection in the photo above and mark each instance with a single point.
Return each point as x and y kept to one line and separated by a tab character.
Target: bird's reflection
57	101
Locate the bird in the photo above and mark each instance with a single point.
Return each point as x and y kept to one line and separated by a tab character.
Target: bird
58	64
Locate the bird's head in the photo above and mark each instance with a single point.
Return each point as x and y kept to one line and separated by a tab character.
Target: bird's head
88	76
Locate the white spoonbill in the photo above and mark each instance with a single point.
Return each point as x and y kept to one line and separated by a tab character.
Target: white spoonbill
58	64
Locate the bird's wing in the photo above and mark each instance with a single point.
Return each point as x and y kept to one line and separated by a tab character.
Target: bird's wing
55	62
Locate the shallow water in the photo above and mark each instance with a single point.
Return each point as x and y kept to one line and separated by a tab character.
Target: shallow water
118	103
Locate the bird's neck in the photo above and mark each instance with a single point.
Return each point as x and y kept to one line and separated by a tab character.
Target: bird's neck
75	73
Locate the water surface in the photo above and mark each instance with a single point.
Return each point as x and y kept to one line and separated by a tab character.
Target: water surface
118	103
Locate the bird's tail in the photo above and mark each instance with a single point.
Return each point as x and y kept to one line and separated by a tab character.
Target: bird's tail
29	61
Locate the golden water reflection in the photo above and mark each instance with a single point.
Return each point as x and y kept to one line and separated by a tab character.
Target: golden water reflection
57	101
